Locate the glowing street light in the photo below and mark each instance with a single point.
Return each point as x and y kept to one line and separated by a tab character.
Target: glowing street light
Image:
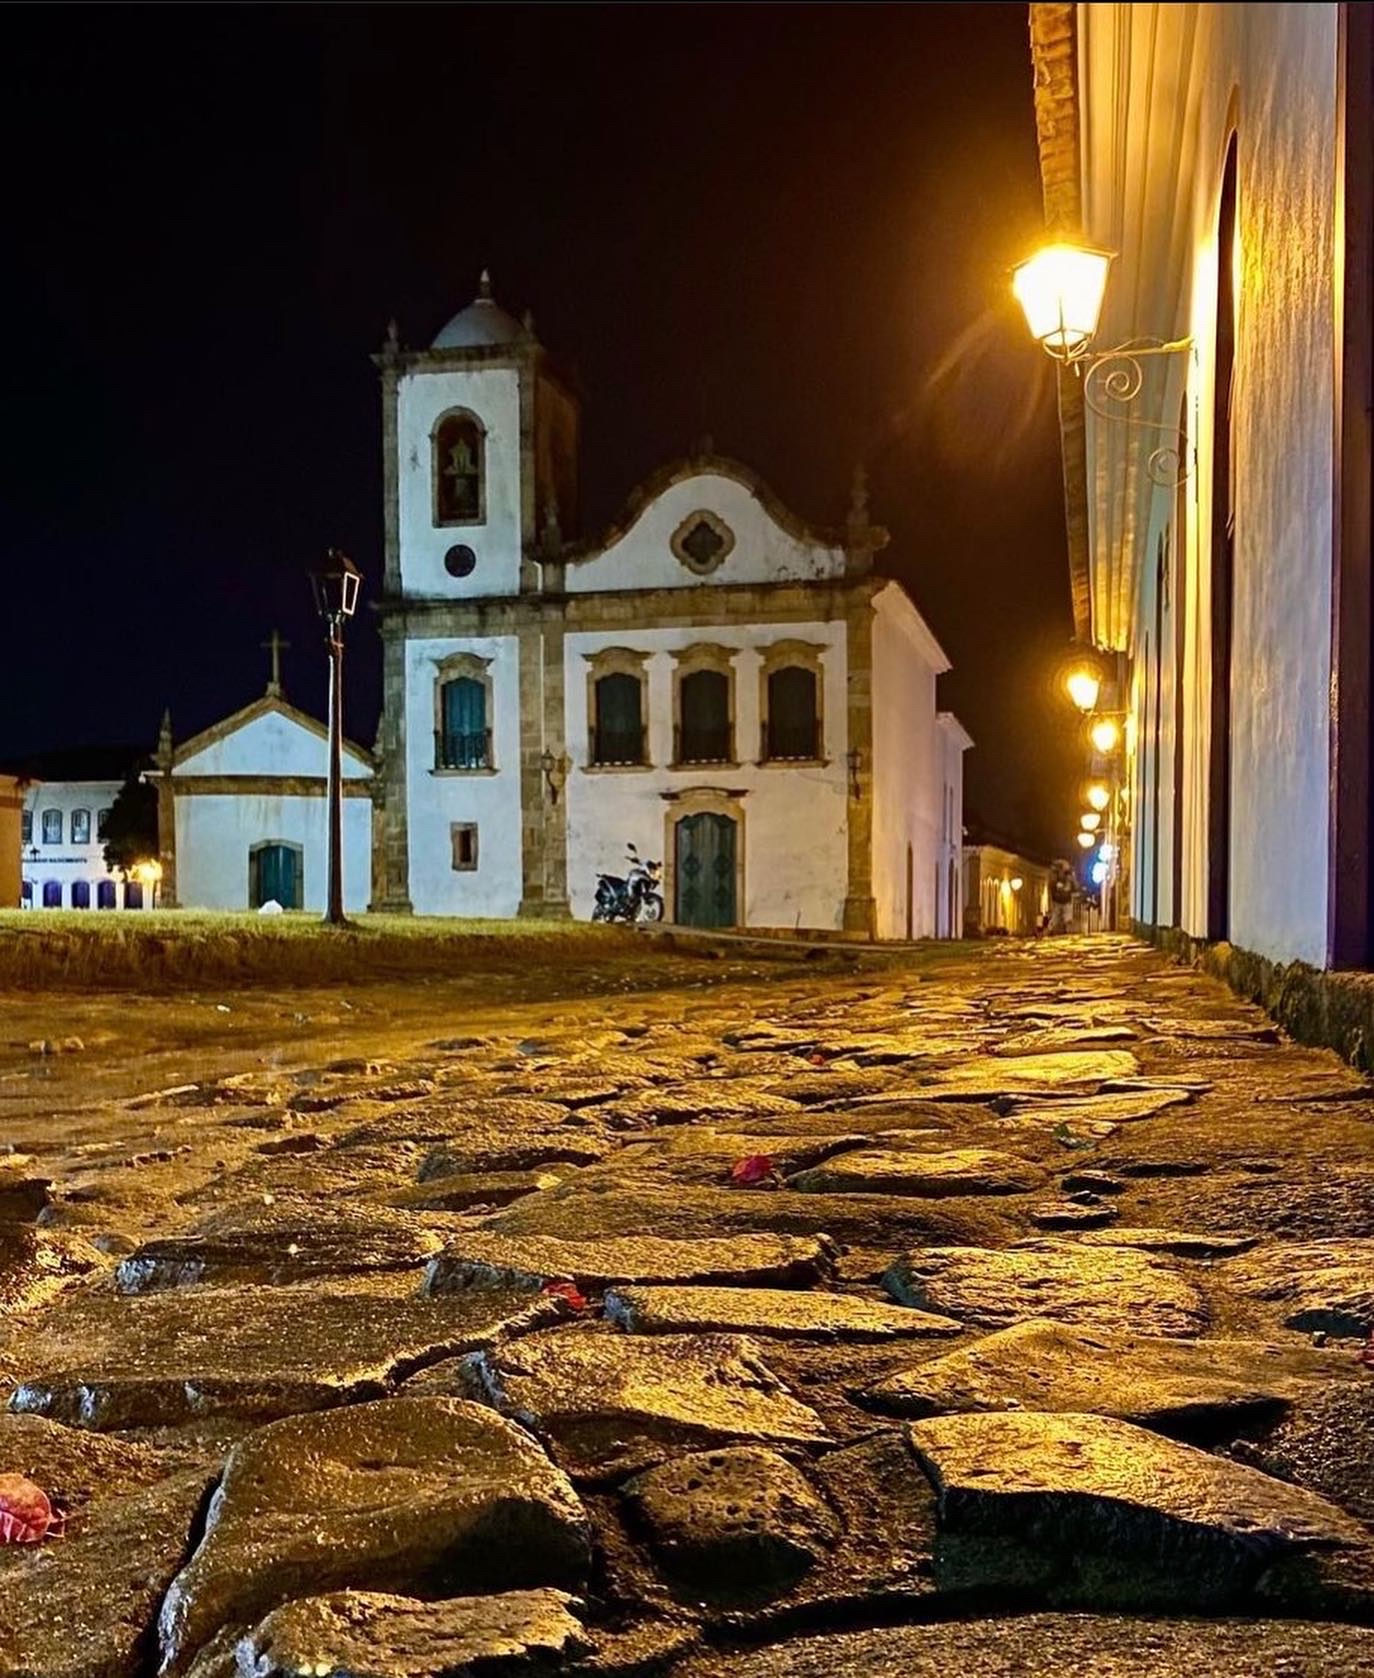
1086	840
1060	289
1099	795
1107	851
1090	821
1105	735
1083	687
1017	882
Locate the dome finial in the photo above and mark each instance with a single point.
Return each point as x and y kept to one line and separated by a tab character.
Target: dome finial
484	285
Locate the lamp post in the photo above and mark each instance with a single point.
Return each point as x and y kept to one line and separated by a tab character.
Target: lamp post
336	584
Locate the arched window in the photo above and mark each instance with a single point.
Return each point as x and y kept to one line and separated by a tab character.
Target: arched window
464	739
102	822
459	470
52	894
81	827
618	729
704	725
792	730
81	894
52	827
105	894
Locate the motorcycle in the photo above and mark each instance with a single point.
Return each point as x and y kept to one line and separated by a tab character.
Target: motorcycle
635	897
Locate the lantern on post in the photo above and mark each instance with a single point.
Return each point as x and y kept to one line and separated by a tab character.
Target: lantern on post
336	584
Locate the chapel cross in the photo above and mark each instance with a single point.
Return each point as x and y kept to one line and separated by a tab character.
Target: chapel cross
276	646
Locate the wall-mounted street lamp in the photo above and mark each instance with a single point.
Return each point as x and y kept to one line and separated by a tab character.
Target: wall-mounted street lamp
1099	795
1083	687
855	759
554	774
1060	289
1087	841
1090	821
1105	735
336	584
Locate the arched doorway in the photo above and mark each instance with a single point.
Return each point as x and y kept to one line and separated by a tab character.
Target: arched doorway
705	869
275	875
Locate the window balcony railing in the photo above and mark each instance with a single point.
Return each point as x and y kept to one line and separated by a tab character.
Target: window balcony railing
615	748
791	740
462	751
703	743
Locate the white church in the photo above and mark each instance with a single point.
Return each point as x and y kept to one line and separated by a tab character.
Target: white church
715	681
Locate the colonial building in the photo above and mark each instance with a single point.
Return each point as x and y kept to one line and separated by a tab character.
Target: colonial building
66	797
1219	517
713	680
242	811
11	827
1005	891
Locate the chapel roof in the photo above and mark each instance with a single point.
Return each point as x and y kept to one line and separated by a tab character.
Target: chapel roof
484	322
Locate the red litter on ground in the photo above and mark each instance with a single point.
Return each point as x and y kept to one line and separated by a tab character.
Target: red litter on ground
568	1292
754	1168
26	1512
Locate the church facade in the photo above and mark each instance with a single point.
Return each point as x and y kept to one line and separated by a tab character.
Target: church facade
714	681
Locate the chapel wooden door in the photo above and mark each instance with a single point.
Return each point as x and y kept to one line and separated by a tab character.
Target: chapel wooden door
705	870
276	876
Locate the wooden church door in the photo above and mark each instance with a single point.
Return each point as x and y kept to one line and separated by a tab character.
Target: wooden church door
705	870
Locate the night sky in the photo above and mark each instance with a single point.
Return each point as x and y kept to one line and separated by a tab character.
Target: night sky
786	226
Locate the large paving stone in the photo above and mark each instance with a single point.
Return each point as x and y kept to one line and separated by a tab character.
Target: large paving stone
164	1358
1123	1107
412	1495
36	1265
703	1100
1098	1287
1178	1386
773	1312
577	1211
1326	1285
609	1404
1324	1441
985	1077
1176	1243
462	1192
82	1605
285	1241
1051	1645
462	1158
1078	1510
931	1176
486	1260
741	1522
368	1634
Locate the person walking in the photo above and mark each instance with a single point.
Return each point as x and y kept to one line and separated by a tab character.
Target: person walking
1063	890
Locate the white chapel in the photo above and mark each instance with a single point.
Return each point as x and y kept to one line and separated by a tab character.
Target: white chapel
713	680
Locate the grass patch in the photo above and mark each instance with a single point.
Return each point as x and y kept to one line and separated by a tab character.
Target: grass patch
53	949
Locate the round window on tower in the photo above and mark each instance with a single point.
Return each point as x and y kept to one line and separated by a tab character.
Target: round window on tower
460	561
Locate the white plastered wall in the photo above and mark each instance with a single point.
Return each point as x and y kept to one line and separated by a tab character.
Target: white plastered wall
1163	86
795	822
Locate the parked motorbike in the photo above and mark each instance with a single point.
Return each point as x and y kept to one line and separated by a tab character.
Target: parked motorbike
633	897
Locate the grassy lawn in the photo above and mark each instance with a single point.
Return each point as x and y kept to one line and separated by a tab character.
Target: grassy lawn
156	950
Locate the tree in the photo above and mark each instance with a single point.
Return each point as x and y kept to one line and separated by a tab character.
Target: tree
131	826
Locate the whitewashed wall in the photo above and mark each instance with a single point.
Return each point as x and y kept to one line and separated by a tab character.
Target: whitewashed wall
493	395
217	831
1152	186
763	552
908	766
436	799
271	744
795	831
67	862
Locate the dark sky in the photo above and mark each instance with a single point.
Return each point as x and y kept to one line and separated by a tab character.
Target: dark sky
787	226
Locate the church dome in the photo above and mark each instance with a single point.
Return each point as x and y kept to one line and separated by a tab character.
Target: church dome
483	322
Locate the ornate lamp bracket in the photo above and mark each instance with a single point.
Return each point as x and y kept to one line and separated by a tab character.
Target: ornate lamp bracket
1111	383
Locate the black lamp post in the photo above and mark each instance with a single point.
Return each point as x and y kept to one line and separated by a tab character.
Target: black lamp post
336	584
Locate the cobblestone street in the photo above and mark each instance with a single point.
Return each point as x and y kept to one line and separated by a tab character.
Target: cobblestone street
999	1314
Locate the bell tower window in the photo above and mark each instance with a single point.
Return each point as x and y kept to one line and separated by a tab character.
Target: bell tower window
460	445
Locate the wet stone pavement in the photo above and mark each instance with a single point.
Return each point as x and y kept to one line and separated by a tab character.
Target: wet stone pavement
998	1317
